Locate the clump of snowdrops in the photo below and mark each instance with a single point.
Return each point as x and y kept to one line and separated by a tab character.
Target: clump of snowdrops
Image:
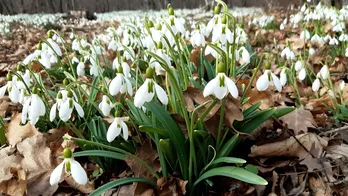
145	85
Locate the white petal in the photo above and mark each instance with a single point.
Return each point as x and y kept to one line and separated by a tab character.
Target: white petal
262	83
302	74
3	90
232	88
25	111
316	85
220	91
129	87
113	131
65	111
124	130
161	94
53	112
14	94
56	174
78	173
276	82
115	84
79	109
139	95
209	88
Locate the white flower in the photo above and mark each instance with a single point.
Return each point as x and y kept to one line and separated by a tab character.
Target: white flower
45	60
156	65
222	33
54	49
342	85
305	35
113	45
333	42
288	54
324	72
147	91
197	38
245	54
316	85
220	86
105	105
298	65
266	79
311	51
80	69
302	74
316	38
70	166
346	52
13	91
115	129
66	107
33	108
283	77
120	84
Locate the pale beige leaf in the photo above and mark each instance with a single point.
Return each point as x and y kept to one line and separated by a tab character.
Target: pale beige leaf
299	120
16	132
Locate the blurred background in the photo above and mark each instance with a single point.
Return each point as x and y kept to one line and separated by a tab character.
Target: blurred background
64	6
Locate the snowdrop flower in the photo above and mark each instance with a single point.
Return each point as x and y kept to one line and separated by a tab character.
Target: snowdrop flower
222	33
324	72
156	65
214	21
113	45
268	78
311	51
298	65
176	24
209	50
245	54
124	65
346	52
302	74
221	85
12	89
67	106
54	48
316	85
33	108
316	38
197	38
342	85
71	167
333	42
288	54
105	105
120	84
305	35
283	77
44	59
116	127
80	68
147	91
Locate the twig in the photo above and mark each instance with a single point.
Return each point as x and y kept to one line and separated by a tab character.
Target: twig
345	128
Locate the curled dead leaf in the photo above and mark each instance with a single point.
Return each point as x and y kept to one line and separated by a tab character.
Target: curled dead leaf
16	132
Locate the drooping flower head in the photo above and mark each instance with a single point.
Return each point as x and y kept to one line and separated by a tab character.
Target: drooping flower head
116	127
71	167
147	91
268	78
221	85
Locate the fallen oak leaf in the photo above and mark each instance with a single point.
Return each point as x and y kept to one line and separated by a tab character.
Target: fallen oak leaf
299	120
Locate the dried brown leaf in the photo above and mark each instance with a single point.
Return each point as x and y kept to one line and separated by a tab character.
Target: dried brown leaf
16	132
174	186
290	147
299	120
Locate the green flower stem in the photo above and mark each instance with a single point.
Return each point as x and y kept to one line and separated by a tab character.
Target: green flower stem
206	112
222	114
252	77
116	150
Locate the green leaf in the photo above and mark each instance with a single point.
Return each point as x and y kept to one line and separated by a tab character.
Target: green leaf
100	153
283	111
257	120
229	145
210	69
233	172
119	182
175	134
151	129
252	168
247	113
228	160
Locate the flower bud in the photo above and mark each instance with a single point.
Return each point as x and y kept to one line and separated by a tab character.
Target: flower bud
217	9
149	72
268	65
150	24
39	46
67	153
49	34
70	94
60	96
66	82
19	67
224	19
34	91
117	113
170	10
159	45
220	68
9	76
